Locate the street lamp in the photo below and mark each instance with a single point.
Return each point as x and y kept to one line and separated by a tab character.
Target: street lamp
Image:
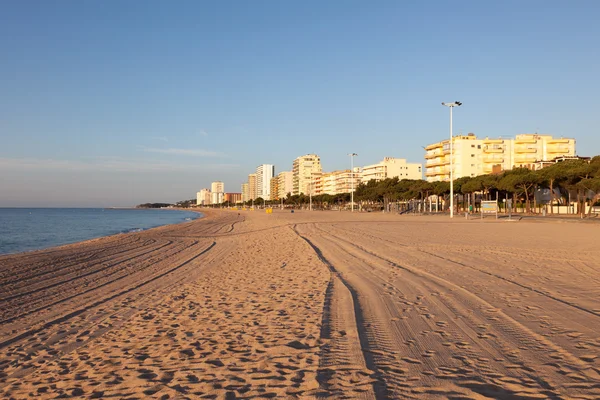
452	105
352	180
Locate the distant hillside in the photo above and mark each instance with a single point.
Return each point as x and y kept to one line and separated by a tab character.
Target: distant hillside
153	205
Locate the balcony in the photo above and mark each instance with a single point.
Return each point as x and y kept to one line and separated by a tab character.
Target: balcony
556	141
493	141
489	149
525	150
434	146
429	156
436	163
559	149
525	141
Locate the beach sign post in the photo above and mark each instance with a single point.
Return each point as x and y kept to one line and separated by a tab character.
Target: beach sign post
489	207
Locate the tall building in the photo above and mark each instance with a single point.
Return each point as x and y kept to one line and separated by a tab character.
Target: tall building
252	190
391	167
306	170
217	197
467	158
473	157
274	183
285	184
245	192
217	192
203	197
264	173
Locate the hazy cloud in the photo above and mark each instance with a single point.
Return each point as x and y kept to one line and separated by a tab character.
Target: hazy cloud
203	133
107	164
185	152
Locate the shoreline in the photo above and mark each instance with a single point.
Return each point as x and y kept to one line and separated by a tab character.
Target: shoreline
94	239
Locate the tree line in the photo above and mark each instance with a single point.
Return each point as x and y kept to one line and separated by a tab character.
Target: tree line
568	180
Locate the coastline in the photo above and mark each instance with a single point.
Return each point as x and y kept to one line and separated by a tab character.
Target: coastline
306	305
93	239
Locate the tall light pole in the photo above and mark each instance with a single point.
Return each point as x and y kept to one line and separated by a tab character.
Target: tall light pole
352	155
452	105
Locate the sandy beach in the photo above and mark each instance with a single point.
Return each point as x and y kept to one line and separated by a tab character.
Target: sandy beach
308	305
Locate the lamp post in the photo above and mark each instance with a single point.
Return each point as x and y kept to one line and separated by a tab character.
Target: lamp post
352	180
452	105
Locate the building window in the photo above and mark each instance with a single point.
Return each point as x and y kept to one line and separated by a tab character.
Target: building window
472	155
478	146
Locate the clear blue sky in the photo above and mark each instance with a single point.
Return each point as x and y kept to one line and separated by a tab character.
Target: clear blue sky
120	102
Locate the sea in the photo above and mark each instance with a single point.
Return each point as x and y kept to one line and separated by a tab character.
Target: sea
26	229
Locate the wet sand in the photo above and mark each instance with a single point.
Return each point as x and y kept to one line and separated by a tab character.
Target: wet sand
308	305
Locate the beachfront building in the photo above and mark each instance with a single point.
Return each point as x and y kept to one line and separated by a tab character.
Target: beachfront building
274	183
306	169
473	157
285	184
232	198
217	190
264	173
527	149
245	192
467	158
338	182
203	197
391	167
252	187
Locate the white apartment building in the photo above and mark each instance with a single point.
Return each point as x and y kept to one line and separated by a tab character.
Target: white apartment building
391	167
203	197
252	190
264	173
306	171
217	189
285	183
245	192
473	157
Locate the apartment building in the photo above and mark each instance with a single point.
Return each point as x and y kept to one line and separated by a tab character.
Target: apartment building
203	197
252	187
232	198
274	183
306	169
217	197
245	192
285	184
529	148
474	156
338	182
467	158
391	167
264	173
217	190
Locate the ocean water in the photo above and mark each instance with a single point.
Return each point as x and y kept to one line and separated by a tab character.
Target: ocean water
25	229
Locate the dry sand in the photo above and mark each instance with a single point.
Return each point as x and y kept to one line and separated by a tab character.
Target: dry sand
308	305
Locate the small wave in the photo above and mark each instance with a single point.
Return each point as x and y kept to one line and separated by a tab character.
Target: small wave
133	230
